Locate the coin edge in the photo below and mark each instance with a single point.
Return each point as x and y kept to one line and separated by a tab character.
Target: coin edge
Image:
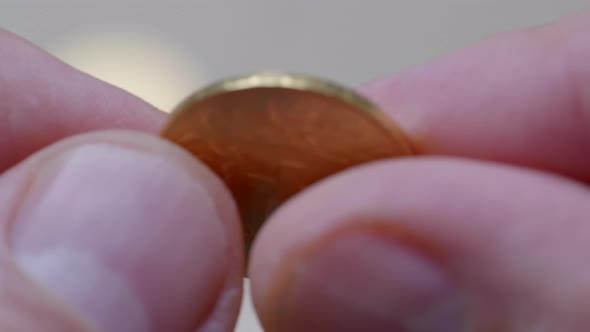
294	81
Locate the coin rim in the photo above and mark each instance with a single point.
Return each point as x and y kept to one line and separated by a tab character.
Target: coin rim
293	81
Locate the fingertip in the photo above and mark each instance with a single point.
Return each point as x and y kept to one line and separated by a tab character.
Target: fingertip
517	97
45	100
454	241
135	233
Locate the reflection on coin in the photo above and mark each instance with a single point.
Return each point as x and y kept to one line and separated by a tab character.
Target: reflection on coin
271	135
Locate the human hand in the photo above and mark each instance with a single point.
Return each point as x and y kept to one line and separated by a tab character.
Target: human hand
110	230
121	231
489	230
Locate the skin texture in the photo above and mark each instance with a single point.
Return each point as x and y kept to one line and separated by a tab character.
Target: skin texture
495	213
110	230
487	230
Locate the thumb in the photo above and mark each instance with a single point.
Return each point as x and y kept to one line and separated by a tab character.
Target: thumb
117	231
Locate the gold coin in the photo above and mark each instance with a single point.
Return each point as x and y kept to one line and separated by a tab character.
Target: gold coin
270	135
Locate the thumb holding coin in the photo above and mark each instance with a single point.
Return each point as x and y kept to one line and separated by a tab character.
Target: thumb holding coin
108	231
488	229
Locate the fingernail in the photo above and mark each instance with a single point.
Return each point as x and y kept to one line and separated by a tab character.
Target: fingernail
368	282
129	239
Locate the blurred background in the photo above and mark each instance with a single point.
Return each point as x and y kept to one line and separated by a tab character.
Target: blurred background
164	50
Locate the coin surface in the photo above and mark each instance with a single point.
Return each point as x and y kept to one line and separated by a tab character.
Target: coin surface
270	135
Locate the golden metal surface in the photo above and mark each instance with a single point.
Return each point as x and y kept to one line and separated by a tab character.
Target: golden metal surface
270	135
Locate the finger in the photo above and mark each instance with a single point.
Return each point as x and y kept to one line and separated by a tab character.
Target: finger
43	100
428	245
520	98
129	232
